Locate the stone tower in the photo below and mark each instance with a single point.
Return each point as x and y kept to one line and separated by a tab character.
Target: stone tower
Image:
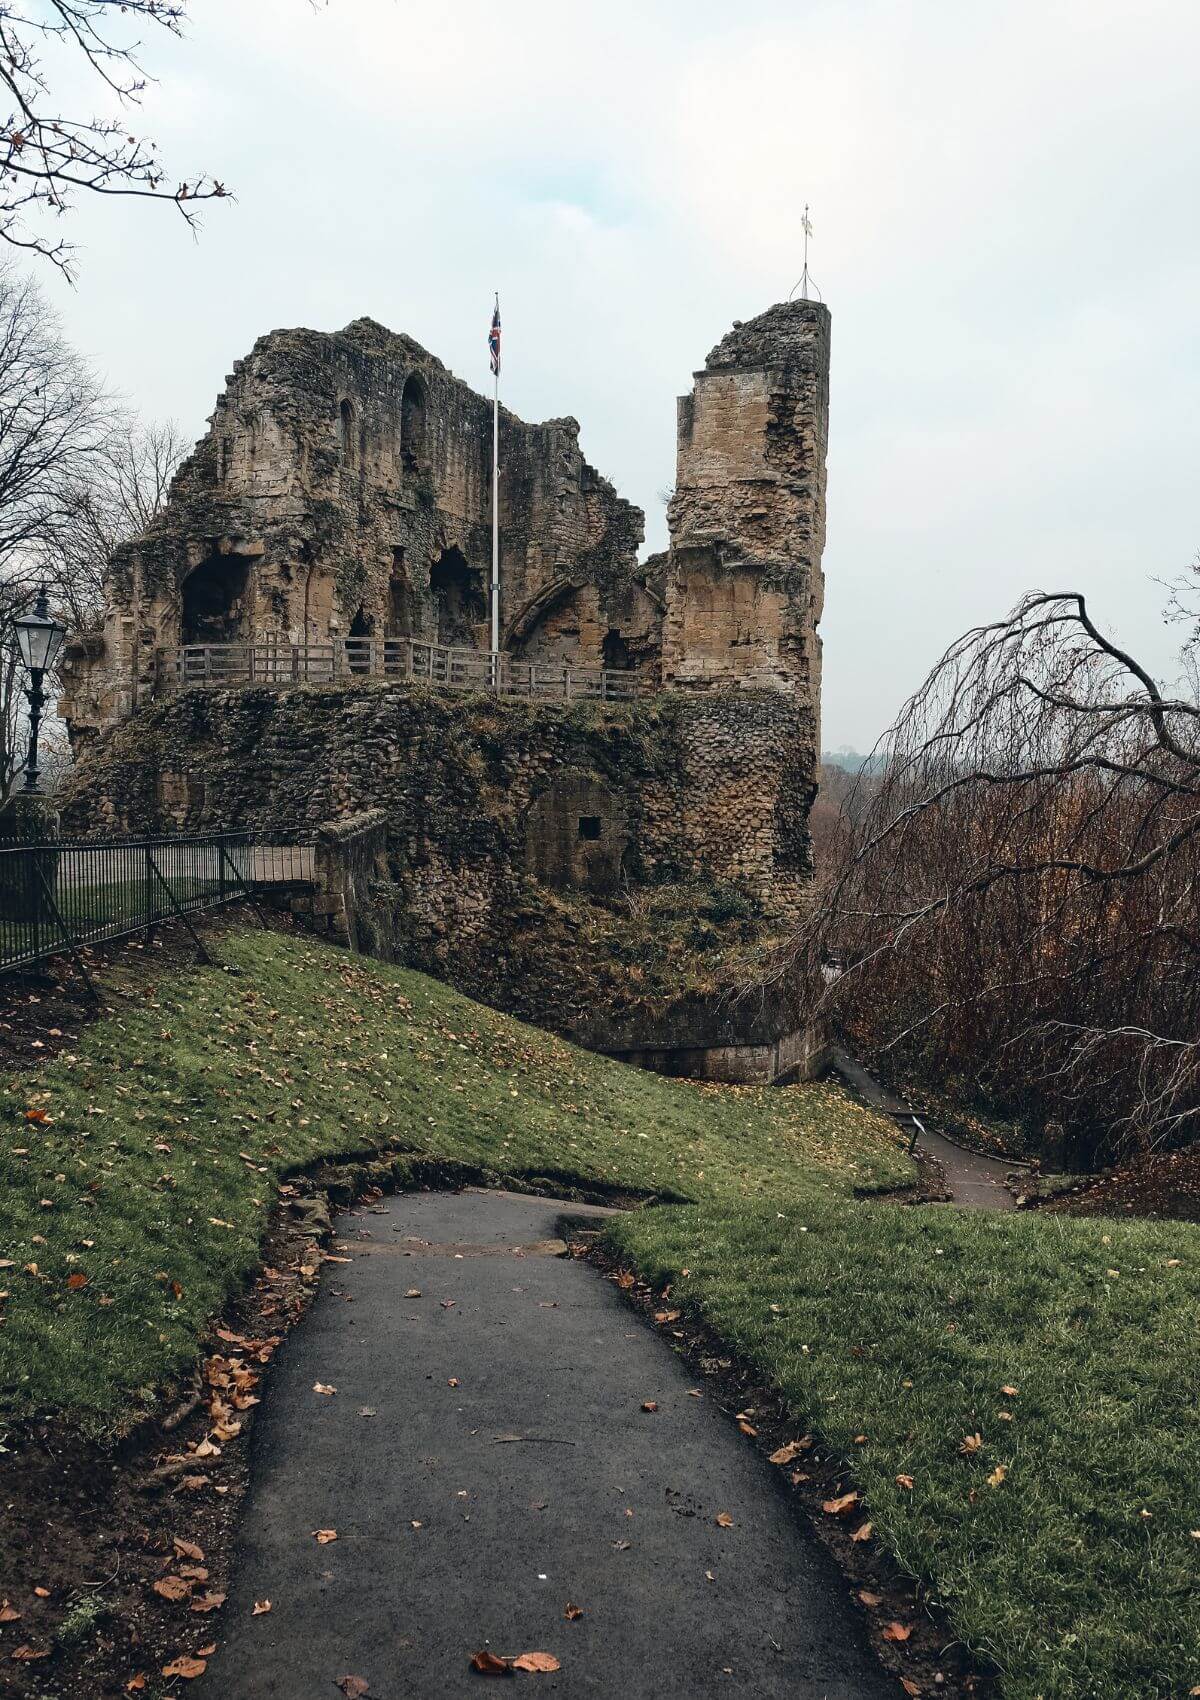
744	585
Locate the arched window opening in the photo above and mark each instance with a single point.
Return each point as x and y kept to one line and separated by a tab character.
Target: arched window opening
459	597
212	600
347	434
412	423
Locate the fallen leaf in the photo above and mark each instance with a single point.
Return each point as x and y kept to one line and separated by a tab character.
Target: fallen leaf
324	1536
135	1684
76	1282
489	1664
571	1613
868	1598
909	1686
208	1602
785	1454
897	1632
320	1387
186	1667
747	1428
904	1482
863	1532
206	1652
536	1662
1010	1392
970	1444
453	1381
261	1608
724	1520
8	1613
649	1404
42	1593
188	1549
26	1655
413	1293
353	1687
835	1507
172	1588
998	1475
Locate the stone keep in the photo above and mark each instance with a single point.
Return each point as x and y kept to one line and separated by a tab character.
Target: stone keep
343	490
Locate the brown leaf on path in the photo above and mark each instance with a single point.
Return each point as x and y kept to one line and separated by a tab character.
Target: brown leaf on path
412	1293
863	1532
27	1655
172	1588
835	1507
747	1428
649	1404
488	1663
324	1536
186	1667
353	1687
868	1598
571	1613
42	1593
910	1687
785	1454
206	1652
536	1662
724	1520
135	1684
187	1549
193	1484
897	1632
8	1613
208	1602
261	1608
323	1387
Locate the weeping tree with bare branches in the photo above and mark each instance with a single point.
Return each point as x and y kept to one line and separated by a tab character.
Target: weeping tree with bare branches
1016	908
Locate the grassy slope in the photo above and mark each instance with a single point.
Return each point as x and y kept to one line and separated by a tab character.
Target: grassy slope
901	1325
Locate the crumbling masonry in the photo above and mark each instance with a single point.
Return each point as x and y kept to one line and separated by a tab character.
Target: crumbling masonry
339	508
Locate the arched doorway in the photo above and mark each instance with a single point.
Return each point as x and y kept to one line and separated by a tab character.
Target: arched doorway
359	653
212	600
458	596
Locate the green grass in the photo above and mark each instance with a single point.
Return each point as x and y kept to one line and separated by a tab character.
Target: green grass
872	1319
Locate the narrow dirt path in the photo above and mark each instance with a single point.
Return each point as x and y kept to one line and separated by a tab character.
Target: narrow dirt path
974	1182
486	1462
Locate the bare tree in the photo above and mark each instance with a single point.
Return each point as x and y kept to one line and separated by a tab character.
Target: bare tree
109	500
47	156
1019	902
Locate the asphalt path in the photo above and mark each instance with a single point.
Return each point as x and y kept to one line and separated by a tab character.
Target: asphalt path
486	1463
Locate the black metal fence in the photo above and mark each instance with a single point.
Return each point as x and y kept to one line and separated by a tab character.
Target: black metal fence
59	895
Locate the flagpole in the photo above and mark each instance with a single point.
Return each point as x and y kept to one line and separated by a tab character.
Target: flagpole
496	519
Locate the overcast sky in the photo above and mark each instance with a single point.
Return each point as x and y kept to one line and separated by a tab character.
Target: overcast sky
1005	195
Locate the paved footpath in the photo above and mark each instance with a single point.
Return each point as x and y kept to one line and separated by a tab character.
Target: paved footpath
470	1515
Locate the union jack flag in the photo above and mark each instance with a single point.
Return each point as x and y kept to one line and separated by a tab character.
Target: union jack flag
494	339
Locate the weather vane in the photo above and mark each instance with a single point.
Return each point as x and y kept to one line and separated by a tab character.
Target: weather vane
805	277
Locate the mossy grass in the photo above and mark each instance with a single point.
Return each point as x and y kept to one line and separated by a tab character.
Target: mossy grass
1062	1545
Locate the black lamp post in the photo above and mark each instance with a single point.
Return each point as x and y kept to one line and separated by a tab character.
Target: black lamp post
40	637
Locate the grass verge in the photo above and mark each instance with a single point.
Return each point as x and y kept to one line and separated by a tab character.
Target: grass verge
1061	1542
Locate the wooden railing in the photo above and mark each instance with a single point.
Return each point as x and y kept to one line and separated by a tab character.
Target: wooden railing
341	660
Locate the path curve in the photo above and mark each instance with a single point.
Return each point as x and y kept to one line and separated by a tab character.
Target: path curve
471	1514
974	1182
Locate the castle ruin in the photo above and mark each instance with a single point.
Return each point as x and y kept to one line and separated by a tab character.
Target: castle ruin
275	649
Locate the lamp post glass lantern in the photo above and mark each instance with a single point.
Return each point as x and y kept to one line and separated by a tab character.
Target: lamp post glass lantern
40	637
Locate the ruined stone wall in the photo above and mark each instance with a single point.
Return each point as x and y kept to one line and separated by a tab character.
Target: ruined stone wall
744	587
501	818
344	490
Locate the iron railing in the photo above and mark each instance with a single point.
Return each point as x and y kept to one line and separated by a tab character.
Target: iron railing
340	660
60	895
